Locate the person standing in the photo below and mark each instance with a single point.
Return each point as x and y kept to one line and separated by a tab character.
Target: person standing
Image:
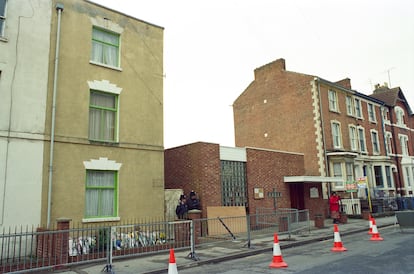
193	202
182	209
334	207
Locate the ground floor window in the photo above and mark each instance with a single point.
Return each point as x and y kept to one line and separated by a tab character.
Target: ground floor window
233	181
100	194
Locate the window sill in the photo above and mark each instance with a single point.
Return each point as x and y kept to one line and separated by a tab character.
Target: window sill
97	220
105	66
3	39
107	143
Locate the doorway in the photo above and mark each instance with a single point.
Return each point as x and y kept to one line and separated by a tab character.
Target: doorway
297	196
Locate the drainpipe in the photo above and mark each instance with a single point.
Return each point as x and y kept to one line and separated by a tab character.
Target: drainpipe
398	184
59	9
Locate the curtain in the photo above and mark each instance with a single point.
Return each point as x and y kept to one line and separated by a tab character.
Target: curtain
100	193
105	47
102	115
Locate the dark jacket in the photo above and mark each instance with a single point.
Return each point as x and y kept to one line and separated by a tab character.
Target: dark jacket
193	203
181	210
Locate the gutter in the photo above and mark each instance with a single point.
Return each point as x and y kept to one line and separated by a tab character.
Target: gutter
59	9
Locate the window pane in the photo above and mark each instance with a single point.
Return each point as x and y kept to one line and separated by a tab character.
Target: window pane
109	121
108	203
103	100
337	170
100	179
92	203
94	125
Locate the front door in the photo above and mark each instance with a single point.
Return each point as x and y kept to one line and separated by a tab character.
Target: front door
297	196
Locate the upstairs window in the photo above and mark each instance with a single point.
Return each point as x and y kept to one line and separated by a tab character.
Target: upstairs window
388	142
361	136
399	114
336	135
353	137
358	109
371	113
105	47
375	142
103	114
386	115
333	101
2	16
404	144
350	106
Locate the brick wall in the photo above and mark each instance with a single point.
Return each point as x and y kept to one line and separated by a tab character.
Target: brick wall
266	169
195	167
278	101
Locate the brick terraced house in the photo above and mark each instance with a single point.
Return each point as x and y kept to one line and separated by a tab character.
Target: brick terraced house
364	141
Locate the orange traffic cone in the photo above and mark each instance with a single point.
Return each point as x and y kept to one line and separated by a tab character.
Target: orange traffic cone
337	241
172	266
277	261
370	224
375	234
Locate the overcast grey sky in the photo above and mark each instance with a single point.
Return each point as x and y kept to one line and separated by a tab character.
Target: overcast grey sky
211	49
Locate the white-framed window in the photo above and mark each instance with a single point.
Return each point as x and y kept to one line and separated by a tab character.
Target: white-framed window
337	173
350	108
361	138
404	144
375	142
349	167
386	115
353	137
388	142
408	176
333	100
103	111
336	134
101	190
3	4
399	115
371	113
105	47
358	108
388	172
379	179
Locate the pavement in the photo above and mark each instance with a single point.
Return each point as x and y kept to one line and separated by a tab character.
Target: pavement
217	252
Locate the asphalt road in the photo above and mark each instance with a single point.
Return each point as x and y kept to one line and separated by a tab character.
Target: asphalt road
395	254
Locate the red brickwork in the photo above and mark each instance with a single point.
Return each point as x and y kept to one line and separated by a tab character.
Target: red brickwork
266	169
276	112
195	167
